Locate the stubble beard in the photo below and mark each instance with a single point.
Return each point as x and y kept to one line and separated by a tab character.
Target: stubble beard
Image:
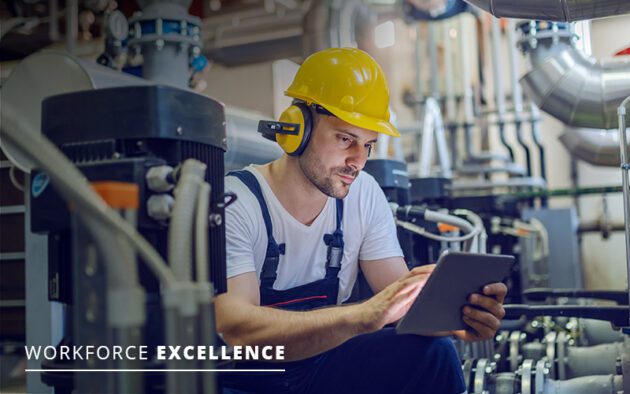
318	175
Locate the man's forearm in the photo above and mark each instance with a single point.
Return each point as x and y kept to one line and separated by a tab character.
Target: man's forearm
303	334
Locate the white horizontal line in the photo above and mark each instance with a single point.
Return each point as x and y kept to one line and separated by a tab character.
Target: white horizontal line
155	370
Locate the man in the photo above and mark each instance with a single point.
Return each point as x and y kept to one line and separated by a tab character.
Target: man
297	235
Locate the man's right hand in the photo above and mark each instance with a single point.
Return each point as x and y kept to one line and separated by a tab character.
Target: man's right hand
393	302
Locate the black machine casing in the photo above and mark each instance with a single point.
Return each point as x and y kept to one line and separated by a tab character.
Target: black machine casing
118	134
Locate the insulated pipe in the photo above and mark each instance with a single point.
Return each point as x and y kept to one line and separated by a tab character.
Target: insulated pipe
419	87
595	146
535	123
72	25
517	95
450	95
556	10
433	61
497	82
598	384
469	117
576	89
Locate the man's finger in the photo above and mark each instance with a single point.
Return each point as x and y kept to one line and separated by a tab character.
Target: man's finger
482	331
482	317
409	285
497	290
489	304
423	269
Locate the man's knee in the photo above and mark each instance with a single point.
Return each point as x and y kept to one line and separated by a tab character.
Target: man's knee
442	348
430	354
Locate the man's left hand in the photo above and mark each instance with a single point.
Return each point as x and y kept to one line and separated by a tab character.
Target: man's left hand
485	318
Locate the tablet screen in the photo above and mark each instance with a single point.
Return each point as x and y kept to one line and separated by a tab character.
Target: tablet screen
456	276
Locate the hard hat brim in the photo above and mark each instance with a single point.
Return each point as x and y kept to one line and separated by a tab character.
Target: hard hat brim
354	118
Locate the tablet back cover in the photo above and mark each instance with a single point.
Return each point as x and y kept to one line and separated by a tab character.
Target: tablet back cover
457	275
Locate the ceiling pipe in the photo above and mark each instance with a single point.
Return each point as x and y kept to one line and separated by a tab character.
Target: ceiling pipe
553	10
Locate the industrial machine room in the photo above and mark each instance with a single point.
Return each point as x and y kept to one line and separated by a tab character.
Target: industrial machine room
315	196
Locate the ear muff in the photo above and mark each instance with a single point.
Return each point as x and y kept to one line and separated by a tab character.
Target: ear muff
300	114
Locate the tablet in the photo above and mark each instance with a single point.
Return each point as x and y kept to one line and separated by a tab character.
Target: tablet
457	275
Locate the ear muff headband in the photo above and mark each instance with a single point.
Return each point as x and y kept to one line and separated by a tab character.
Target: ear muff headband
300	114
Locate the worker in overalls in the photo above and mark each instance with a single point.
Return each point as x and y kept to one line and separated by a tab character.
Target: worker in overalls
297	235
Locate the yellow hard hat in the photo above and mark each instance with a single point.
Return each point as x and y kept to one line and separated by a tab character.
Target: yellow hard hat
348	83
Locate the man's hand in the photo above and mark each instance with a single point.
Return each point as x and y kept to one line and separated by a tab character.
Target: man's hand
484	323
393	302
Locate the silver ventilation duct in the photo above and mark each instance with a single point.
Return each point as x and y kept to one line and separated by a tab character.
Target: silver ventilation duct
576	89
553	10
594	146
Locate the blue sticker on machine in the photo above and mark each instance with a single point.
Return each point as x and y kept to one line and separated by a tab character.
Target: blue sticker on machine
39	184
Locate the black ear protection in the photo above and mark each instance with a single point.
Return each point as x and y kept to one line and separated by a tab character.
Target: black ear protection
293	130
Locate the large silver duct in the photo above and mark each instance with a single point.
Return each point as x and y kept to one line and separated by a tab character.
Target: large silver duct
594	146
578	90
45	74
574	88
553	10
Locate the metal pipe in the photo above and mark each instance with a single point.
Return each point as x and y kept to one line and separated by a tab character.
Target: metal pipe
72	25
625	167
497	82
469	117
517	95
418	74
535	129
433	61
558	10
514	182
53	26
574	88
450	95
468	120
595	146
600	227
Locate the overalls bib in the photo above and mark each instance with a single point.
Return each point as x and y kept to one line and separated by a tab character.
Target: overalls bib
320	293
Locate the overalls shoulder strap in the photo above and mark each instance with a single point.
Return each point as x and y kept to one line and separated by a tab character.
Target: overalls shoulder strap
272	256
335	245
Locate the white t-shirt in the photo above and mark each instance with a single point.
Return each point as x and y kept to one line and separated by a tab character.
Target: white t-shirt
369	233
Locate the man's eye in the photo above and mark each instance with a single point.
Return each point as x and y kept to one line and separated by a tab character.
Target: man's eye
345	141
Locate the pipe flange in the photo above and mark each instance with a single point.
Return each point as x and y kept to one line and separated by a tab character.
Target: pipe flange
516	339
526	371
482	369
467	370
550	340
542	371
561	342
535	33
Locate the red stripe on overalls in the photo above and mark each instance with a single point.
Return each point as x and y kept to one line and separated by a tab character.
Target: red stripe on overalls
298	300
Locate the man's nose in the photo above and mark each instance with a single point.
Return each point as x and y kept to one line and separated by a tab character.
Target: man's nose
358	157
